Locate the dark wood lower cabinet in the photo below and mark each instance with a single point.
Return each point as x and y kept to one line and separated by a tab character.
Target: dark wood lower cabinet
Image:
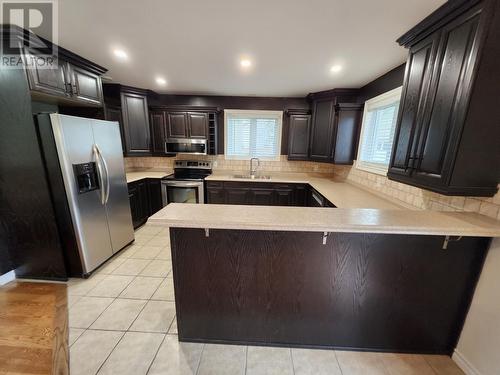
154	193
145	199
264	194
382	292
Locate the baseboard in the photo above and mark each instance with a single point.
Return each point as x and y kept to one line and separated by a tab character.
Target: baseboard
7	277
464	364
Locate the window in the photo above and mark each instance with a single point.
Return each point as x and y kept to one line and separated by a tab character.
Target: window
377	131
252	134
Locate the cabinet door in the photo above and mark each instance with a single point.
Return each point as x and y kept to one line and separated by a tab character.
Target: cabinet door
300	198
347	123
262	196
48	81
154	196
143	194
177	125
157	121
135	205
284	197
85	86
321	133
451	82
136	124
411	108
298	139
216	196
197	125
237	196
112	113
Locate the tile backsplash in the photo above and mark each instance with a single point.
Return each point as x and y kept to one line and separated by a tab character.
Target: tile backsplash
413	197
406	195
219	163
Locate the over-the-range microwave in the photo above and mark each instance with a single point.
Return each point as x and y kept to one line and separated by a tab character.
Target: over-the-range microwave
186	146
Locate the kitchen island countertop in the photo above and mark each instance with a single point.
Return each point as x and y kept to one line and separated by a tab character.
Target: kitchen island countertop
309	219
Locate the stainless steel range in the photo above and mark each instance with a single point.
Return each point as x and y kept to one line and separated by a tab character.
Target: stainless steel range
186	185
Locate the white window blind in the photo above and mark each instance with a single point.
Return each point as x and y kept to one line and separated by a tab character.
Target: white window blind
377	131
252	134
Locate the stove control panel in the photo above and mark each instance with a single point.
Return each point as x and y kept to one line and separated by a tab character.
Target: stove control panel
193	164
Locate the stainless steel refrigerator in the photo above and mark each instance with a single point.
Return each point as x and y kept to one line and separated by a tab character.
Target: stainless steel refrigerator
85	168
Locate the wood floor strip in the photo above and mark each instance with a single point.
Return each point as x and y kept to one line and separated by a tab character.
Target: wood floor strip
34	328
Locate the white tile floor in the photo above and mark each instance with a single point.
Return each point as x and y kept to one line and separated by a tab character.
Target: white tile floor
122	321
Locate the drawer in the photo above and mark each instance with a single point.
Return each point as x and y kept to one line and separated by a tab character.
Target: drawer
215	184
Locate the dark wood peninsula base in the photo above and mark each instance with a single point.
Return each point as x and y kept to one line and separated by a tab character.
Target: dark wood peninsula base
383	292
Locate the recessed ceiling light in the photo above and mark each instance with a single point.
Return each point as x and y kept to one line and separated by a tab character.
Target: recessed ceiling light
161	81
335	68
121	54
245	63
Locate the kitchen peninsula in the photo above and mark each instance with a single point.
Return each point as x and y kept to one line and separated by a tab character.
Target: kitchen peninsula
383	279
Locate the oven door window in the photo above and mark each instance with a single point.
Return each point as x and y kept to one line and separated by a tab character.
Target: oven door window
182	194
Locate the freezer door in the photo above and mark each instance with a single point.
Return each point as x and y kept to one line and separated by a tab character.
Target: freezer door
108	141
74	142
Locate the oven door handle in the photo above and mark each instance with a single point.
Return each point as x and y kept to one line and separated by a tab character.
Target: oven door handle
183	184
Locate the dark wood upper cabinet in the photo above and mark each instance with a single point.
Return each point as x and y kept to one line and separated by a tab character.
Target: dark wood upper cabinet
48	81
85	86
298	136
70	79
346	132
335	126
197	125
158	131
187	125
114	113
447	132
418	73
322	129
135	123
177	125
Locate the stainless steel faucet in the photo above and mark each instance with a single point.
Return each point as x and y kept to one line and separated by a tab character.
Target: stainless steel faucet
252	170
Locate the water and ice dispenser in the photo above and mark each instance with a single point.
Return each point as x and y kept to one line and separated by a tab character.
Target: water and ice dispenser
86	177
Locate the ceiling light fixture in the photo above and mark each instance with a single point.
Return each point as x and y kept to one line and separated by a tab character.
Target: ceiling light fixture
245	63
335	68
161	81
121	54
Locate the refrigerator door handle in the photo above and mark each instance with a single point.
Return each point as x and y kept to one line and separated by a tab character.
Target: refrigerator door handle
106	170
100	173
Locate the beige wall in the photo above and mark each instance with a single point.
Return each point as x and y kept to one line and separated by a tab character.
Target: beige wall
478	351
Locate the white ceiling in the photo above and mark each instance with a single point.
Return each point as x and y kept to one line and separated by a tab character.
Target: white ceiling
196	45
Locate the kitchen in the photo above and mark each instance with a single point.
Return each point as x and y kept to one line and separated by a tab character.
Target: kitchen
263	212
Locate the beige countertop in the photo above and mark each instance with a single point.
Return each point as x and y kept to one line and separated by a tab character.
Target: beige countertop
147	173
341	194
351	220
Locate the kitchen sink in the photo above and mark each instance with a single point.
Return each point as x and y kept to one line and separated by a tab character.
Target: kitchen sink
252	177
